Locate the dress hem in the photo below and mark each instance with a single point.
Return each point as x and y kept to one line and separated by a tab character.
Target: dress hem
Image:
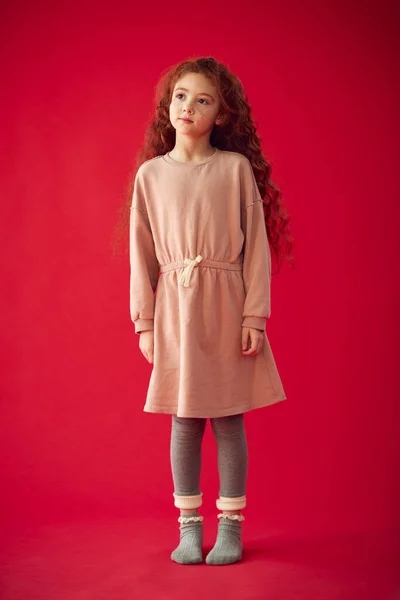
160	409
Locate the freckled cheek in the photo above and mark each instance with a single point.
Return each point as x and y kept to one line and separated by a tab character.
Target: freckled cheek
204	119
173	107
174	113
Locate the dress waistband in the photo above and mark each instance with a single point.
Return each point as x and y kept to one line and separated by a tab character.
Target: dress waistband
188	264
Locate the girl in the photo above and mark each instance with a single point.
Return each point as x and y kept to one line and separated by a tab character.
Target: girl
200	286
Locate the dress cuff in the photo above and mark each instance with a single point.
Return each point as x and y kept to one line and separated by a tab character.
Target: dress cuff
143	325
255	322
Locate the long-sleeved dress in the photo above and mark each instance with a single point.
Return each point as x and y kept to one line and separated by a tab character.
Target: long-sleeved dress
200	270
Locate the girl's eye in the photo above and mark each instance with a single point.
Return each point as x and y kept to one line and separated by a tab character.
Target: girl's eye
180	94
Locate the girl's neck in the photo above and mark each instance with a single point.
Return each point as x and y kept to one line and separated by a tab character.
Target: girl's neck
192	150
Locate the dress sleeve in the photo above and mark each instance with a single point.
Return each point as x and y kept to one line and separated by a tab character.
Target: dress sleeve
256	257
144	268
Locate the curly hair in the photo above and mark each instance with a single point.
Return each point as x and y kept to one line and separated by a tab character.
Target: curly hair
236	133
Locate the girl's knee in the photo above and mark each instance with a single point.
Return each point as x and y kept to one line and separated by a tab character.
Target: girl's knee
229	426
188	426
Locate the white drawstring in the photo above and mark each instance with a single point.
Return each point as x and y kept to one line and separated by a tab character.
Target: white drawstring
184	277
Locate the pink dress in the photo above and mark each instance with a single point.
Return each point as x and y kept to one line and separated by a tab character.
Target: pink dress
200	269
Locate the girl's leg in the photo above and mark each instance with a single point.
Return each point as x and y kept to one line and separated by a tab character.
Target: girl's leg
230	435
186	441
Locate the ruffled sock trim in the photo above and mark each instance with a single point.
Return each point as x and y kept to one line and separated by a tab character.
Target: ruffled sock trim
198	519
231	517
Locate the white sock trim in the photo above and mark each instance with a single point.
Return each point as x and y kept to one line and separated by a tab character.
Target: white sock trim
224	503
188	501
198	519
231	517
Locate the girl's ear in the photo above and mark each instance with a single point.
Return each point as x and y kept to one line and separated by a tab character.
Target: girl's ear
219	120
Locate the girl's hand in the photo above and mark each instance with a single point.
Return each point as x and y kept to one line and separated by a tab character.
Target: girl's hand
256	341
146	344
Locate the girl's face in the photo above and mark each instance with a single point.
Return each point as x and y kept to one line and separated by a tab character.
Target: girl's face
196	99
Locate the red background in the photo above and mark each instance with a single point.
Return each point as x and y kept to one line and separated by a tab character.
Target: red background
78	85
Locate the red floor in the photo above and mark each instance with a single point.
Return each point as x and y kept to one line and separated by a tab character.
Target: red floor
130	558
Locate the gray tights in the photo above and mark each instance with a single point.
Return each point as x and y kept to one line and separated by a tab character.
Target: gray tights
186	441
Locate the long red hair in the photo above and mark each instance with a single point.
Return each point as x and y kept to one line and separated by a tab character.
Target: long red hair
236	133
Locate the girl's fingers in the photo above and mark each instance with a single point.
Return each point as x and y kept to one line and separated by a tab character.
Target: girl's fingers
250	352
245	337
256	346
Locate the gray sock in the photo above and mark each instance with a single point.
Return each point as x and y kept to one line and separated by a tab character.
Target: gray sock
189	551
228	547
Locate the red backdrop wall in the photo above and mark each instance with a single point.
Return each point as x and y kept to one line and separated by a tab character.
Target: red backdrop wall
78	86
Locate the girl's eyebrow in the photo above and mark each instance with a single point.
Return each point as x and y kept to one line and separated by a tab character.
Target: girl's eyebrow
200	93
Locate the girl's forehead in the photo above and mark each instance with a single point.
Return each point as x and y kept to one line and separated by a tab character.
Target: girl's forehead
195	80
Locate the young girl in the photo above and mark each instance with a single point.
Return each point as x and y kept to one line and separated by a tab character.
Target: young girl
200	286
